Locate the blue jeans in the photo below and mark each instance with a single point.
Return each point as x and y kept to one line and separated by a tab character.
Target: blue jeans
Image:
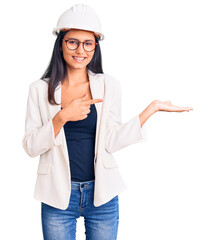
101	223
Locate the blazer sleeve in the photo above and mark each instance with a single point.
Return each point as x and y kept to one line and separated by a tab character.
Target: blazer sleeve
39	137
118	134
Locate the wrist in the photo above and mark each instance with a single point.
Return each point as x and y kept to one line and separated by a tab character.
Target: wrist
154	107
61	116
147	113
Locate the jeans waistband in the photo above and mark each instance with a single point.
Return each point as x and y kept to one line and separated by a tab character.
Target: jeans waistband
86	184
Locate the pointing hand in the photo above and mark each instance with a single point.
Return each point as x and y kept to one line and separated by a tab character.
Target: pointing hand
78	108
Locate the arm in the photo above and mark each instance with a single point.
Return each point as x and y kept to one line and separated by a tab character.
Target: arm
39	137
147	113
58	122
119	135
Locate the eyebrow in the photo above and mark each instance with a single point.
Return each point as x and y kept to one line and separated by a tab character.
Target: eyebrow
79	40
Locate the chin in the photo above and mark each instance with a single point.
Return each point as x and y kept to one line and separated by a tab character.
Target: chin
78	67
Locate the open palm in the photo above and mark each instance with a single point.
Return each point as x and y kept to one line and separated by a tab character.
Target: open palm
168	107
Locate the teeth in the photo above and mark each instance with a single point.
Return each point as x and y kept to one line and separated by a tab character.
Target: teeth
78	58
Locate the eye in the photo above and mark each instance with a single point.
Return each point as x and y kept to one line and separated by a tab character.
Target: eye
88	43
72	42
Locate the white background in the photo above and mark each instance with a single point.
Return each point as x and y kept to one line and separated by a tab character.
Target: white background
171	56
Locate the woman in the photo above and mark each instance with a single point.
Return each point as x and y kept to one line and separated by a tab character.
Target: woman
73	122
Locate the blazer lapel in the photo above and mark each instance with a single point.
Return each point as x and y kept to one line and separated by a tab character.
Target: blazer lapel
97	91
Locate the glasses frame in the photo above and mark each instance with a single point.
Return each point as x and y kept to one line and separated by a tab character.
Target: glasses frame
66	40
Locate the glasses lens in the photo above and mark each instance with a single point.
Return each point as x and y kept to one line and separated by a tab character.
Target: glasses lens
89	46
72	44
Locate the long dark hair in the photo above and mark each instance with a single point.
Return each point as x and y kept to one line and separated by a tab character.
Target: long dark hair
57	71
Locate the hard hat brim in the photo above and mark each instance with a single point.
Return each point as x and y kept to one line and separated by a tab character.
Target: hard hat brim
56	31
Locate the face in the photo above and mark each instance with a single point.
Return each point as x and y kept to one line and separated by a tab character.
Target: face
69	55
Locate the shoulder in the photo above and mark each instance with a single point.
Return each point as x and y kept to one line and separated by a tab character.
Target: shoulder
111	80
38	88
40	83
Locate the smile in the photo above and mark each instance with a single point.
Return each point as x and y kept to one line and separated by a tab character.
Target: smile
78	59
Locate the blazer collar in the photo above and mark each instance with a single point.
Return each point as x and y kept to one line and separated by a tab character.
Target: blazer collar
96	88
97	91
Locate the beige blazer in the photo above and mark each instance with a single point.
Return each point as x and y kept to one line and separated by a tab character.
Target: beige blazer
53	183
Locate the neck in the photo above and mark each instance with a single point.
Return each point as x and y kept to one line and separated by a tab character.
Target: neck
75	77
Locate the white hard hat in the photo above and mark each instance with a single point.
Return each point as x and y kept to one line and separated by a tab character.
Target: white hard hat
79	16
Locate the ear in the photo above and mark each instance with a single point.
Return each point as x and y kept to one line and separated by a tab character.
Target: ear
61	49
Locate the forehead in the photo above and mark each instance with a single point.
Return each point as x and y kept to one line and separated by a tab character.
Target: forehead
80	34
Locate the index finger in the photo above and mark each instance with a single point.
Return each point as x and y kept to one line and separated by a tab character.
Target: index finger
92	101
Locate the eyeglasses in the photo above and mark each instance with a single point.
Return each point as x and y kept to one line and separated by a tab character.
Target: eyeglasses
73	44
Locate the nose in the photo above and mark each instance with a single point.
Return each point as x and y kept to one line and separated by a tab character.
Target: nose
80	48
